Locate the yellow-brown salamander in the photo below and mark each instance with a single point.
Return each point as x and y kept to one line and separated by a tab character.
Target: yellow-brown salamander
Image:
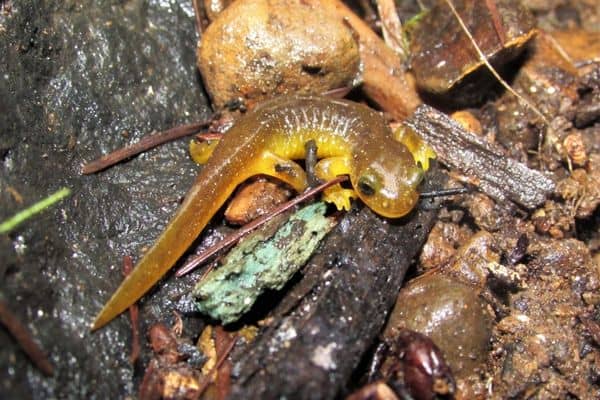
351	139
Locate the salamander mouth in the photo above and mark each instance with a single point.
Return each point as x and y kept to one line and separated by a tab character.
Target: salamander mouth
392	208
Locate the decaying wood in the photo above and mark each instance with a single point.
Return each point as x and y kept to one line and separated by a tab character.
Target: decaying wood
328	321
492	171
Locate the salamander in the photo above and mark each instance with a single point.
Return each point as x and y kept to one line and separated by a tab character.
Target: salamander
385	169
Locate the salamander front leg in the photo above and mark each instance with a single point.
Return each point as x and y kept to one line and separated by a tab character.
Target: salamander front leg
330	168
420	150
267	163
281	168
201	148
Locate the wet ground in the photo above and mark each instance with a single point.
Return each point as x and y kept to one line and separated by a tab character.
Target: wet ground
81	78
78	79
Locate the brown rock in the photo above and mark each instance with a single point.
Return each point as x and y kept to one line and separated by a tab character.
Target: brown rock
261	48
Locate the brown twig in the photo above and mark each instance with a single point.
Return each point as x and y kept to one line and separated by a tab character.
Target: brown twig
233	238
133	316
147	142
24	339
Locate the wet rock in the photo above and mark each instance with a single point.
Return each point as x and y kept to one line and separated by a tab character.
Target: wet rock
255	199
452	314
83	78
256	49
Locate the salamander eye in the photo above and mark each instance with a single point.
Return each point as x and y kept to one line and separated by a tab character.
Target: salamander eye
368	184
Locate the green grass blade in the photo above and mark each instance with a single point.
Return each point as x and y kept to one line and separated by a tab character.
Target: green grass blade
11	223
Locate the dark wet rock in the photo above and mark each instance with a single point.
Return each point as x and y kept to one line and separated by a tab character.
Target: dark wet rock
80	78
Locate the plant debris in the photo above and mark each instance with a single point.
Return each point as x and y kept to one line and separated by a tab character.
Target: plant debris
485	164
24	339
261	261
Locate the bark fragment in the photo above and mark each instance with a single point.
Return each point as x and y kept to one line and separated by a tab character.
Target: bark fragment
492	171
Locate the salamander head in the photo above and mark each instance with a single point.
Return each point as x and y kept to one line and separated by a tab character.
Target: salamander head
386	180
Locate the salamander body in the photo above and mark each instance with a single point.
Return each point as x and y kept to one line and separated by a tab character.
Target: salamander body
350	139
